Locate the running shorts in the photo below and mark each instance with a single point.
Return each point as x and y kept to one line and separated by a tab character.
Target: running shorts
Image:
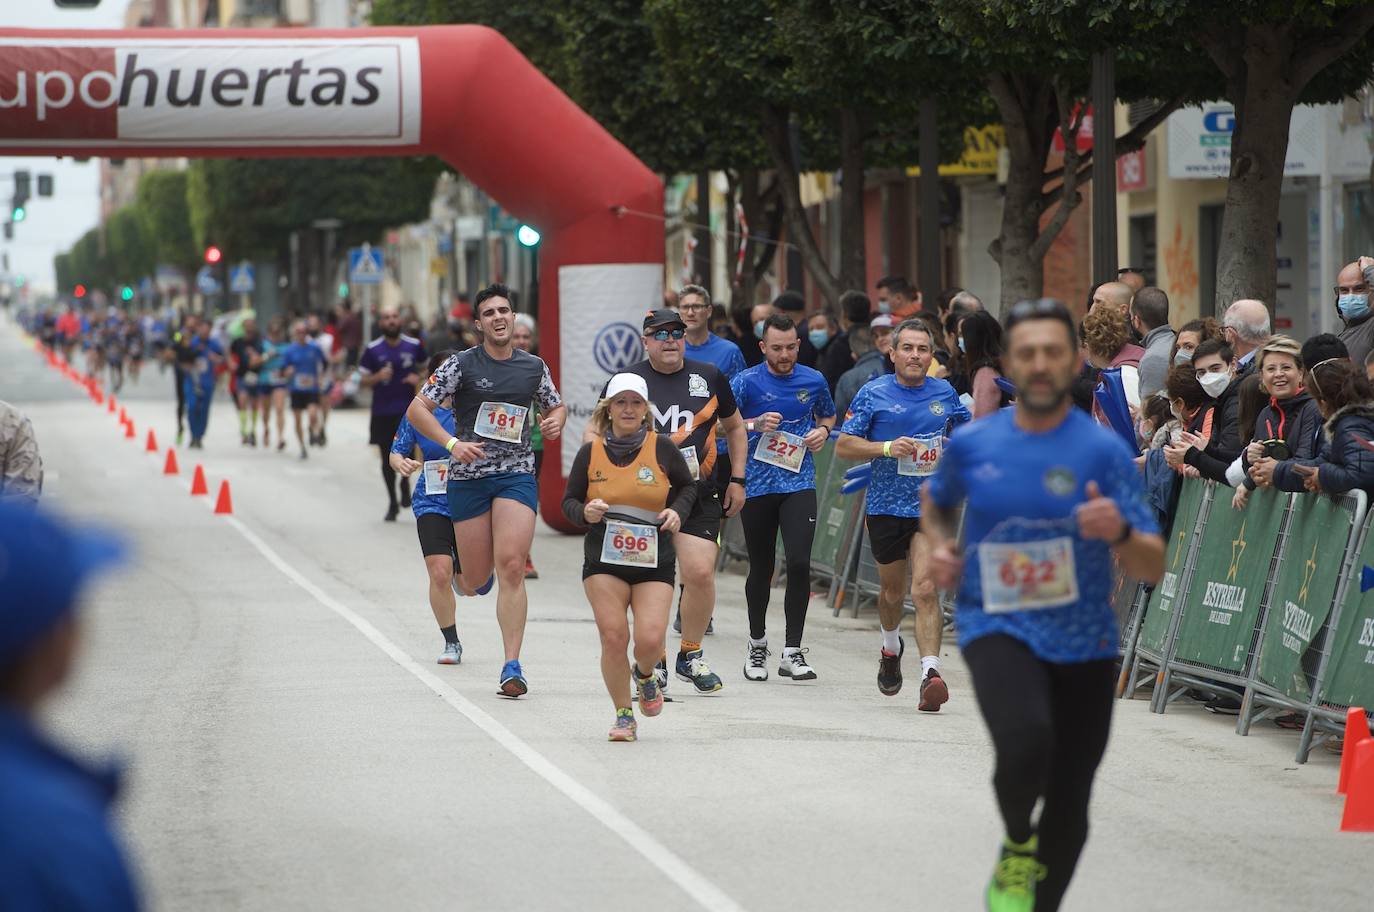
705	519
890	536
384	429
471	497
436	535
304	400
633	575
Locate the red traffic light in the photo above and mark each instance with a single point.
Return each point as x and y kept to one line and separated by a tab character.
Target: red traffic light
79	291
213	254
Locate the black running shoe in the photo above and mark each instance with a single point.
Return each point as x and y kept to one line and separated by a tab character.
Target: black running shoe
890	670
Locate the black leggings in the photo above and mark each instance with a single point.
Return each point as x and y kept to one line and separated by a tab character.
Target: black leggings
1049	726
389	477
763	517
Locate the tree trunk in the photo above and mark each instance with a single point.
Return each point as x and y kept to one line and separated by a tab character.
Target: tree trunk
852	248
1026	108
799	233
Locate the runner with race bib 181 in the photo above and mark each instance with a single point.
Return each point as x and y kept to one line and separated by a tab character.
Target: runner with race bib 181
1051	498
491	476
900	422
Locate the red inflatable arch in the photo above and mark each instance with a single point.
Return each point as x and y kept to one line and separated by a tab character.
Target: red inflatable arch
462	93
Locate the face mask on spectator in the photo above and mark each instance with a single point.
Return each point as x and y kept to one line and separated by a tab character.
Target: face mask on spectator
1183	357
884	307
1215	384
818	337
1353	306
961	343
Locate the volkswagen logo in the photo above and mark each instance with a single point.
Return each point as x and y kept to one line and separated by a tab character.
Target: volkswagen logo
617	346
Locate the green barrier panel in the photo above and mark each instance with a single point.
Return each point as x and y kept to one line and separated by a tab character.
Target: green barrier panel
1302	593
834	515
1350	674
823	460
1154	628
1222	605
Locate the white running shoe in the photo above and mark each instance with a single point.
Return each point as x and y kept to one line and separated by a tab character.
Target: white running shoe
453	654
793	665
756	665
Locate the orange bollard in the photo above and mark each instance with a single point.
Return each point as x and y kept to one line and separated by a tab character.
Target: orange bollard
151	445
129	430
1356	733
1359	802
170	466
223	504
198	486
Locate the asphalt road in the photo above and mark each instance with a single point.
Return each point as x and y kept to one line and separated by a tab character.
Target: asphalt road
269	678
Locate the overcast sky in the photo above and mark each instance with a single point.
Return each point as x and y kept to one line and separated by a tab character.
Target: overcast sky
53	224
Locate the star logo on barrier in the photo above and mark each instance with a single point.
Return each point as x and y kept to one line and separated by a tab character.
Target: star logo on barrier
1309	568
1237	552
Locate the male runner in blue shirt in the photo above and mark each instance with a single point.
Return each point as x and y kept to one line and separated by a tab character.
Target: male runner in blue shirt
900	421
1051	497
789	413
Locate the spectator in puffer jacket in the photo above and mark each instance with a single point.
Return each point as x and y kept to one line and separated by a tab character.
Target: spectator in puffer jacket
1344	461
1287	427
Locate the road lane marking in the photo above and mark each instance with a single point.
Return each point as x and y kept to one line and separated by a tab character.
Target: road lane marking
687	878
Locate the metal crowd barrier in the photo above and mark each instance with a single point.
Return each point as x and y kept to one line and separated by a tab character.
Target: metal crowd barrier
1261	603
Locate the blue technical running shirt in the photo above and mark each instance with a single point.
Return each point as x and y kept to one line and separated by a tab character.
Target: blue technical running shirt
421	501
727	358
885	410
308	362
801	397
1027	572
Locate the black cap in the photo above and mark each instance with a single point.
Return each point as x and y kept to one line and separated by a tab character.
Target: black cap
657	319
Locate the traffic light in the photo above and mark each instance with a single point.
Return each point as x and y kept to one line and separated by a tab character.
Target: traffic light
527	236
213	254
79	291
343	290
21	185
17	214
9	231
19	281
45	185
126	293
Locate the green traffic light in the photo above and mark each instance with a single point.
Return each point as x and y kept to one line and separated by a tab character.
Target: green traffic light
527	235
18	215
127	293
343	289
18	281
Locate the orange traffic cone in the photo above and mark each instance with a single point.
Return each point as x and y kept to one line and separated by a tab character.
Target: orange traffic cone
151	445
123	416
1356	733
170	466
1359	802
223	504
112	405
129	429
198	486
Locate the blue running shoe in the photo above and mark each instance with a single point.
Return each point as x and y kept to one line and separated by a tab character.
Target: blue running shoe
513	680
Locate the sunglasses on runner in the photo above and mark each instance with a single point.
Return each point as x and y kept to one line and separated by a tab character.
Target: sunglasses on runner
663	335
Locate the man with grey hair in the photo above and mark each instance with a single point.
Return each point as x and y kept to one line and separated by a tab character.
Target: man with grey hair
1352	304
963	302
1246	327
868	364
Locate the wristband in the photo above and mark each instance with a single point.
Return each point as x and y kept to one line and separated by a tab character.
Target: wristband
749	426
887	448
737	479
452	442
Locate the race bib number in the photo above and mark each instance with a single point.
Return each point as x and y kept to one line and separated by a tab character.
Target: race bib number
630	544
436	476
251	378
275	378
781	449
501	421
924	458
689	453
305	381
1025	576
202	365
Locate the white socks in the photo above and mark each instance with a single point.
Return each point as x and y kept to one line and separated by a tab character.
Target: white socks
763	642
929	664
892	643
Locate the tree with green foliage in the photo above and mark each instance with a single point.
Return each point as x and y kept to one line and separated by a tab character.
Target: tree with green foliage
161	203
130	254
